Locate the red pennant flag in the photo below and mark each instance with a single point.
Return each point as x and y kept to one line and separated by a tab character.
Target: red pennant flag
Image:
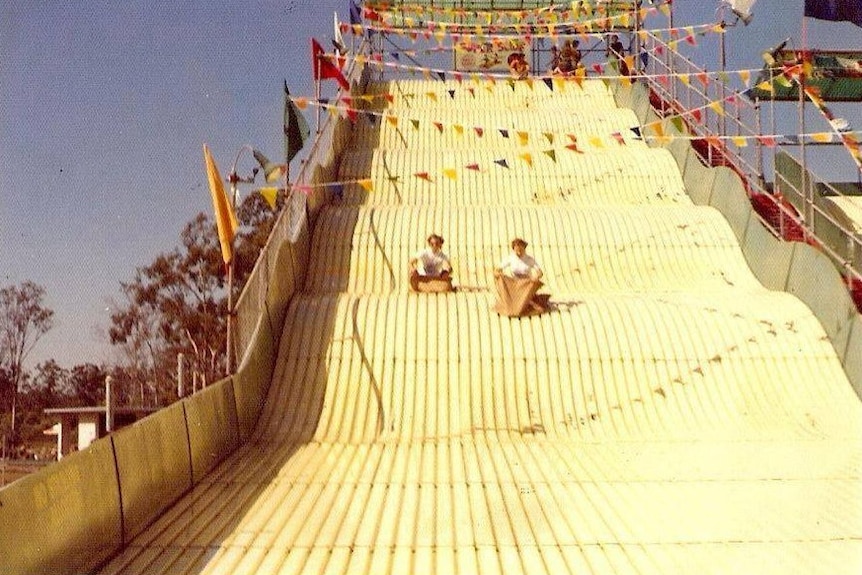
423	176
704	79
439	126
619	138
479	131
474	167
696	114
323	69
768	141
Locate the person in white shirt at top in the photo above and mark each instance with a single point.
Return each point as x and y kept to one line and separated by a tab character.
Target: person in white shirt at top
519	264
430	263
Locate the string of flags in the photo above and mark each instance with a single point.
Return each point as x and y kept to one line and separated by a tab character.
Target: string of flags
840	127
527	158
495	22
653	131
549	14
585	30
596	71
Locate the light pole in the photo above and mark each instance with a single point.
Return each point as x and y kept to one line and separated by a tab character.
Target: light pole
234	179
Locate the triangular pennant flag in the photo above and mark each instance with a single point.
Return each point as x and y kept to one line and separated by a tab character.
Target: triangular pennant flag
450	173
479	131
270	194
504	133
619	138
459	129
432	96
822	137
524	138
423	176
439	126
392	120
452	94
766	86
551	154
323	68
502	162
527	157
596	142
697	116
684	79
442	76
549	136
415	124
717	108
549	82
637	132
366	185
295	127
678	123
739	141
474	167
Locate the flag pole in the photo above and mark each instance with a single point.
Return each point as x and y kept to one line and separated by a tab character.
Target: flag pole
234	179
317	91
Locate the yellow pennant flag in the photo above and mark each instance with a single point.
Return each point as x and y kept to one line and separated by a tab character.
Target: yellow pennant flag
739	141
366	185
432	96
392	120
745	76
665	8
270	194
527	157
524	138
766	86
559	83
716	107
459	129
822	137
685	79
596	142
450	173
224	216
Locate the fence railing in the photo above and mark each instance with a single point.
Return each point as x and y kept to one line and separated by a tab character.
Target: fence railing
713	115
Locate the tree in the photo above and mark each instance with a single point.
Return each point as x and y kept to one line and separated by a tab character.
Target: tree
24	319
177	304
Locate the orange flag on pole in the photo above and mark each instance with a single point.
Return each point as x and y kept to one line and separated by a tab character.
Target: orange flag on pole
224	216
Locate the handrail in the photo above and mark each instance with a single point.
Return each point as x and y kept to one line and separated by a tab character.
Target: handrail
674	79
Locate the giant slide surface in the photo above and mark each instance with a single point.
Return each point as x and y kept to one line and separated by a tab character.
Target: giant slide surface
668	415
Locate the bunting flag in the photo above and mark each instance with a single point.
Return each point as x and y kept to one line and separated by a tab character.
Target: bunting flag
270	194
551	154
835	10
224	215
366	185
272	172
355	13
322	67
295	128
502	162
450	173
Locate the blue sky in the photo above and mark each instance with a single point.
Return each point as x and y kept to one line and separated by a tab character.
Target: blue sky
105	106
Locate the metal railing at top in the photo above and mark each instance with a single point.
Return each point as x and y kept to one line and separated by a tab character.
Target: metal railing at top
714	113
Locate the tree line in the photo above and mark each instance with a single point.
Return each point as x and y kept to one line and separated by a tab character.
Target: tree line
175	305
